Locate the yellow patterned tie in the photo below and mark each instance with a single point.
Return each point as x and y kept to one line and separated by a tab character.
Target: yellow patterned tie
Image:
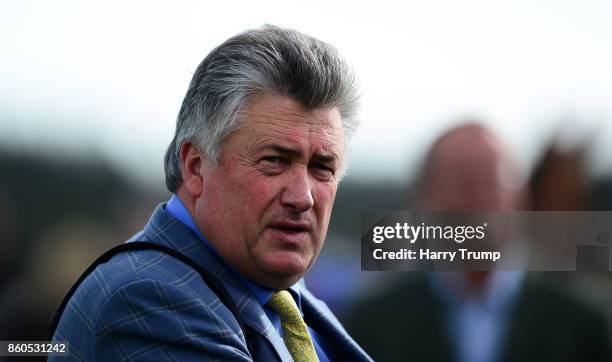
295	333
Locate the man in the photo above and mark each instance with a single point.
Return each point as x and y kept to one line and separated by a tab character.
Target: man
254	166
476	316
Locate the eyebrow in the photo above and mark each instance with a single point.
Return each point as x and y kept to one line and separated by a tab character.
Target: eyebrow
283	150
297	153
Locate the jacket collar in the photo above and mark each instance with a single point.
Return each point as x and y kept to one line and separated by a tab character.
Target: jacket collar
166	230
320	318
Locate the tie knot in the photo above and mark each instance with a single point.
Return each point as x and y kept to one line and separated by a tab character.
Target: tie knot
283	304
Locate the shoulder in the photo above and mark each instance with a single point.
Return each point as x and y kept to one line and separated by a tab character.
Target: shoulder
143	302
554	300
550	318
137	272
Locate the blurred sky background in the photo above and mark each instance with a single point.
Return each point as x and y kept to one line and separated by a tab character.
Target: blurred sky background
107	78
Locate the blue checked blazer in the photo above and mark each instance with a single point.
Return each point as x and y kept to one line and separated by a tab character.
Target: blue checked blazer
145	305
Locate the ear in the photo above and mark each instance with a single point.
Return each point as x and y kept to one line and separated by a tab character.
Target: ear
191	168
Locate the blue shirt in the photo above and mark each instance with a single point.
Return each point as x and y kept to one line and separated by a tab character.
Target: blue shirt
176	209
477	325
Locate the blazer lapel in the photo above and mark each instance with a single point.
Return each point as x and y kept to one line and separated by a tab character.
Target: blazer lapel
166	230
318	316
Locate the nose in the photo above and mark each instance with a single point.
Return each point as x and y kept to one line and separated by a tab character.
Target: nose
297	193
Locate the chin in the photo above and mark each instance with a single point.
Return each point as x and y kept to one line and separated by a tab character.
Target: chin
287	270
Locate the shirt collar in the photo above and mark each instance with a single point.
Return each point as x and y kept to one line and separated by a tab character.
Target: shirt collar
177	209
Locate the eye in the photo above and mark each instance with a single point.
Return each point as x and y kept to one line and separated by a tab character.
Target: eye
271	160
321	167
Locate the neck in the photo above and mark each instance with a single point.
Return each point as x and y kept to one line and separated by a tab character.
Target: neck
476	281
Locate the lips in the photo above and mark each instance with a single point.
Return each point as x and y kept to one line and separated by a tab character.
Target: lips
291	233
291	226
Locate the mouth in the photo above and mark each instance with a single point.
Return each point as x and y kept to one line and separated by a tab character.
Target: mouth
291	233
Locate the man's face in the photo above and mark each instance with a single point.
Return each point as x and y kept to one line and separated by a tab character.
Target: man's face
467	170
266	205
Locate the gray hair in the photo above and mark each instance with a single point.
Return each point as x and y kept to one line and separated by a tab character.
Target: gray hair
269	60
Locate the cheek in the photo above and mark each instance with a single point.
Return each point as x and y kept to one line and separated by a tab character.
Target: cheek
260	190
252	196
324	195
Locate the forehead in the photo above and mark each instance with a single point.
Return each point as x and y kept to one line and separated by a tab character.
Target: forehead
280	119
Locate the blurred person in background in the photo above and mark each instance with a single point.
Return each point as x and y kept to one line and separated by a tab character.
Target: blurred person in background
476	316
563	169
254	166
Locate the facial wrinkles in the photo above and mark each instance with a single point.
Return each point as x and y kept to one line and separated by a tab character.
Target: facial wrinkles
311	133
250	194
308	143
299	128
320	192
